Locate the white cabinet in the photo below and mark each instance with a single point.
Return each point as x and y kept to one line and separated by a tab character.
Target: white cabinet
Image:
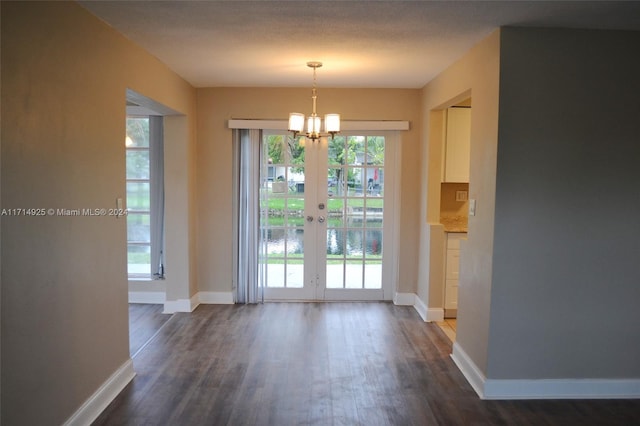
457	145
452	269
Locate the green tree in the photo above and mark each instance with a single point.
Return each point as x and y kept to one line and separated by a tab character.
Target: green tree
343	152
284	150
138	131
375	150
138	142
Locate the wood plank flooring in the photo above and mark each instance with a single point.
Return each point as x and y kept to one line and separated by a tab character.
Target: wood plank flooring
144	322
320	364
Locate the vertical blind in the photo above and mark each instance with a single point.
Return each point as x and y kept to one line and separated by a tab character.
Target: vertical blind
246	207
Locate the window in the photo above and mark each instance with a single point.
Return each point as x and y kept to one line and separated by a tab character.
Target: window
145	197
138	198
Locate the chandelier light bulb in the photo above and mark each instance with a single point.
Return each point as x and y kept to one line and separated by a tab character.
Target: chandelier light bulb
314	122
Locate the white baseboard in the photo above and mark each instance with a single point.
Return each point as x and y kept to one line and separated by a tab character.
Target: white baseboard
204	297
421	308
95	405
404	299
153	297
543	388
216	297
181	305
562	389
469	369
428	314
435	314
411	299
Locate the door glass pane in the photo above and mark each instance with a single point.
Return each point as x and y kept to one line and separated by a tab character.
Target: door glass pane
373	272
355	150
375	151
373	243
138	227
356	207
282	206
352	233
336	151
353	274
357	181
354	241
336	182
335	258
295	208
138	259
354	213
276	240
137	164
335	244
138	196
137	132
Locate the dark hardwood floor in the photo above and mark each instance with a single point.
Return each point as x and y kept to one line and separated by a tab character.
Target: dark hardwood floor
323	364
144	322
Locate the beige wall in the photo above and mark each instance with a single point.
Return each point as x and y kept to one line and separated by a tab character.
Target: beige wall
475	75
64	284
217	105
449	207
64	281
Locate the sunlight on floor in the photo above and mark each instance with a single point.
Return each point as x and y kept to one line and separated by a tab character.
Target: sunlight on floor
449	328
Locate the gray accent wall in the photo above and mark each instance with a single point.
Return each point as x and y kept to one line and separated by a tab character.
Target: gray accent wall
565	292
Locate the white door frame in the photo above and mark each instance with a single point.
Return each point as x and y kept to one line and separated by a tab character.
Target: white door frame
315	286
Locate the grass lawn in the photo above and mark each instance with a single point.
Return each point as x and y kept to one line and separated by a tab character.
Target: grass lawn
278	203
297	259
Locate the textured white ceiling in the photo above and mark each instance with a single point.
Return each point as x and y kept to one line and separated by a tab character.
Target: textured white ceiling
376	44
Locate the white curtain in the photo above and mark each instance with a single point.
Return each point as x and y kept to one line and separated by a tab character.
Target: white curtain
156	178
246	206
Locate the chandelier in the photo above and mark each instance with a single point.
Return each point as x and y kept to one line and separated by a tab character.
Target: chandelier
314	123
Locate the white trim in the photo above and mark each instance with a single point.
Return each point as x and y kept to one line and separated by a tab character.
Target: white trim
471	372
391	222
153	297
562	389
404	299
503	389
345	126
216	297
435	314
203	297
421	308
101	398
428	314
356	295
156	107
412	299
181	305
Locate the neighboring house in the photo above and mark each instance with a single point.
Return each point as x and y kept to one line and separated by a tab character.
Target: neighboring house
550	272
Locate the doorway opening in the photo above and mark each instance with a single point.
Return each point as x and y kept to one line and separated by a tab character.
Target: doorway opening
452	199
144	214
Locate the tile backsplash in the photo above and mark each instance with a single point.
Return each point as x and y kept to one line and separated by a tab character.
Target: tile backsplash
454	214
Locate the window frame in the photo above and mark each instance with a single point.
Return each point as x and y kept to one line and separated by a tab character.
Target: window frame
133	212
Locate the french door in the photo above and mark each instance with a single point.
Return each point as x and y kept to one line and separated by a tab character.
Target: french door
327	217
